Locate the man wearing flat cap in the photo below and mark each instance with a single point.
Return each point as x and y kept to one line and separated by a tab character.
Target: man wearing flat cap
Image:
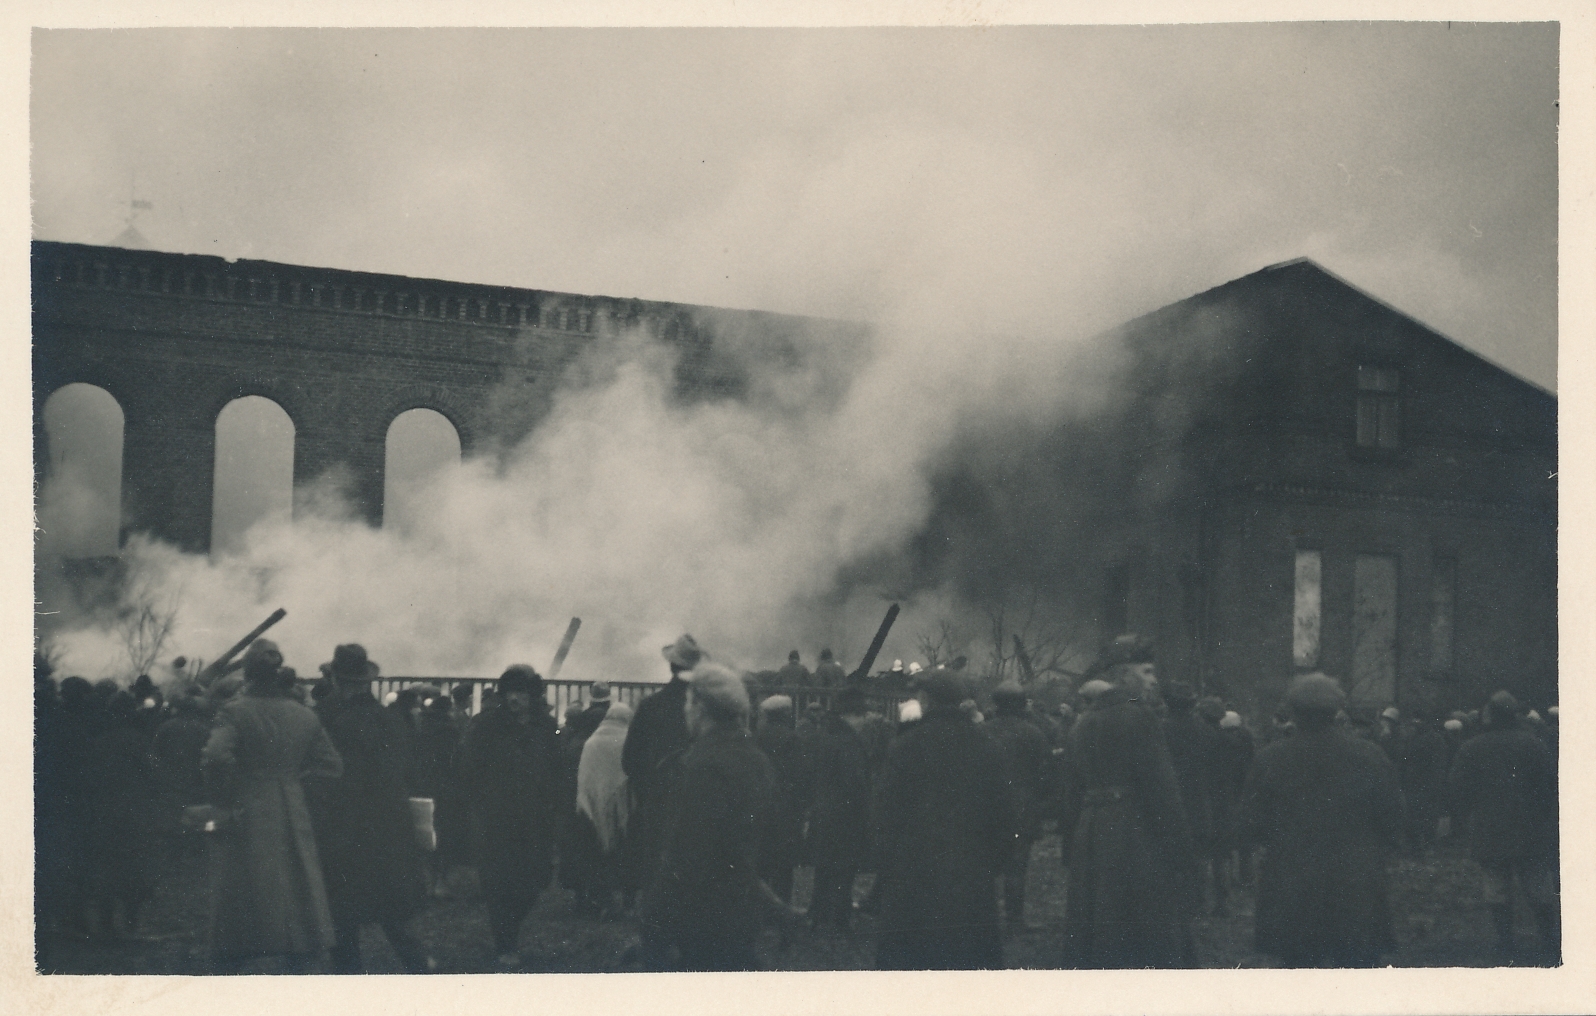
1327	807
839	822
1124	827
782	843
707	902
1504	787
510	770
657	737
1027	759
945	825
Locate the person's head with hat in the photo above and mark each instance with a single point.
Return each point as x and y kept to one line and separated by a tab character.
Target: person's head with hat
1501	712
793	657
1314	700
520	686
1230	721
1091	691
1009	699
1129	662
683	655
1211	708
777	710
598	693
717	699
263	662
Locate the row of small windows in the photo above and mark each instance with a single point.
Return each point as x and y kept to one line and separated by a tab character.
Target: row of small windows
314	294
253	470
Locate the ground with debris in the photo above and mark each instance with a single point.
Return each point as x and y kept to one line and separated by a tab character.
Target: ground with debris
1441	920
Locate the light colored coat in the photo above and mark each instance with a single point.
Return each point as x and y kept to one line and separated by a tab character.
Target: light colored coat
601	790
268	896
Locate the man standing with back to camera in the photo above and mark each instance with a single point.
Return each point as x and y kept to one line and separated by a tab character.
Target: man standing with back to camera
509	768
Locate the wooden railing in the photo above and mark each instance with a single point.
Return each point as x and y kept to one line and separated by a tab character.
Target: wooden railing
561	695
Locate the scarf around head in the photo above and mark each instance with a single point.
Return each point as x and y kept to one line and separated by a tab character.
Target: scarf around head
600	782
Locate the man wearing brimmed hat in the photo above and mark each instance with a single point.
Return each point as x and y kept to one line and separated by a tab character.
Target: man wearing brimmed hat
658	735
374	868
944	831
510	771
1504	787
1130	856
1327	807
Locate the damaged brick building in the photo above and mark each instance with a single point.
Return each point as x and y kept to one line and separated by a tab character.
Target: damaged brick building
1314	480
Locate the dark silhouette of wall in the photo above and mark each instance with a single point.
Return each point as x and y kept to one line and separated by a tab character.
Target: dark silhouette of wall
176	337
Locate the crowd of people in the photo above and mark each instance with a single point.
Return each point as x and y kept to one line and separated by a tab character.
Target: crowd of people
316	811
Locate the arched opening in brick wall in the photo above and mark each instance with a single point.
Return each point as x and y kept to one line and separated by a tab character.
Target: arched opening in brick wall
422	447
80	504
254	470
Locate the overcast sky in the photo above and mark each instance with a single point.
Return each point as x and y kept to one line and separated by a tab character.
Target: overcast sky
838	172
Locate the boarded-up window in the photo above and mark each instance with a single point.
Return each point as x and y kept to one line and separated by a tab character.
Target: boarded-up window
1305	616
1374	618
1443	604
1379	411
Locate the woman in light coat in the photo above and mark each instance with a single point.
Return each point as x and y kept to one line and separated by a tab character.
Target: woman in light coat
603	801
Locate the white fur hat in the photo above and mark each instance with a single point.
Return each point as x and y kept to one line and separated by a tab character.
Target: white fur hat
1230	719
909	711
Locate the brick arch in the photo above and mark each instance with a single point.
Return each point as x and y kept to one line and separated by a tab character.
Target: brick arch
220	396
435	398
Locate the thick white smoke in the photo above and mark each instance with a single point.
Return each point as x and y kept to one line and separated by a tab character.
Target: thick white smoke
733	520
642	515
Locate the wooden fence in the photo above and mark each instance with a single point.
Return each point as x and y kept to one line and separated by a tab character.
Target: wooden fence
561	695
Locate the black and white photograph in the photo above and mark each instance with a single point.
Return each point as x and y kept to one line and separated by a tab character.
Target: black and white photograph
629	498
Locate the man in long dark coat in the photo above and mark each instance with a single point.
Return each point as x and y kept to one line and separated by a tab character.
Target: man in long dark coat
1194	752
945	823
656	739
373	866
781	841
707	899
578	852
1504	786
1423	770
1327	807
509	767
1027	763
1129	847
839	821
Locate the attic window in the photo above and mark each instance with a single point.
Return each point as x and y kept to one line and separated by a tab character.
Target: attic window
1379	407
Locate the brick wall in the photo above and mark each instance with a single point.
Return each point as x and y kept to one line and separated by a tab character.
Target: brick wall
175	338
